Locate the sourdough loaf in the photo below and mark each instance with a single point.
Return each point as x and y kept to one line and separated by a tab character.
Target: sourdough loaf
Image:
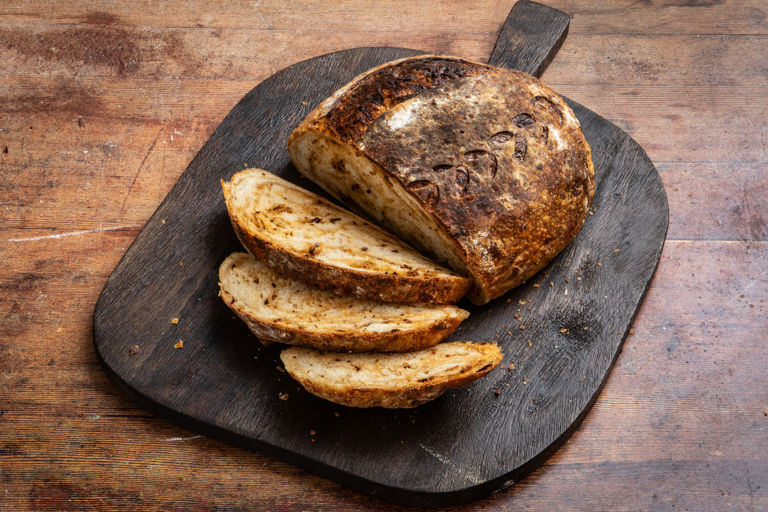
302	235
279	308
484	168
390	380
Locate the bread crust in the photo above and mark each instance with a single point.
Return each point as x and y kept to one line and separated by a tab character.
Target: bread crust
389	287
496	157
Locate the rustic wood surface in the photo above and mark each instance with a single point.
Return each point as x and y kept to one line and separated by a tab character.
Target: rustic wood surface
103	107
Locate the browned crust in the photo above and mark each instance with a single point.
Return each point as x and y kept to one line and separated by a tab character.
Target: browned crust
392	341
344	281
378	90
459	190
399	398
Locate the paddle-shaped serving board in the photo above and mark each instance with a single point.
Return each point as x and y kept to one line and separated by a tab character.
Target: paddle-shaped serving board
467	443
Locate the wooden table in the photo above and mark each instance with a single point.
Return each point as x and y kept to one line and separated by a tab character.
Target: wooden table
103	107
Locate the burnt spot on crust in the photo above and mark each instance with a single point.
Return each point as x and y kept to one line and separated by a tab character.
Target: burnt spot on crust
379	91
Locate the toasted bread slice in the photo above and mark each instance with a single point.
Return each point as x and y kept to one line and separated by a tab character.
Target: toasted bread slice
390	380
305	236
278	308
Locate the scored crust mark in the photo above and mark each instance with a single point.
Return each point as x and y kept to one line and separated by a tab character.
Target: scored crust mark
427	191
501	137
462	178
522	120
484	162
542	103
521	146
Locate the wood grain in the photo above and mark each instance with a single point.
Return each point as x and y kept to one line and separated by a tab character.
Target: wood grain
681	422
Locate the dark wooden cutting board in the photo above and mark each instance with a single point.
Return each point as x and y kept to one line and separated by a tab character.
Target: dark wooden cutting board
466	444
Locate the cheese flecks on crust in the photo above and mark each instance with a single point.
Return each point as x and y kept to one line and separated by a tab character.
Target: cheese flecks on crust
484	168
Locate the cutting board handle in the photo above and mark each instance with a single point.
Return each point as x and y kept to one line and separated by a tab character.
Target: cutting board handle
530	37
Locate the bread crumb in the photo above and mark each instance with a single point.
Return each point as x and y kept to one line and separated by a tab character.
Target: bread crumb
336	414
304	103
616	250
578	278
284	396
60	329
536	285
511	366
280	369
557	346
174	320
522	303
509	300
631	332
162	221
564	331
552	284
599	264
134	350
522	327
181	263
497	391
179	344
312	432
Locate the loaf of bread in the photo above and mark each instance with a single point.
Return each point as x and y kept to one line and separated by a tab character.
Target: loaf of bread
302	235
277	307
390	380
485	169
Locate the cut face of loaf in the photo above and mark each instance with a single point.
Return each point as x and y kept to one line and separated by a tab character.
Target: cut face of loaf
279	308
390	380
301	234
484	168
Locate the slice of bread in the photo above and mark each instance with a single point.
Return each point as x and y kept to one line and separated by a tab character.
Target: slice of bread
303	235
279	308
390	380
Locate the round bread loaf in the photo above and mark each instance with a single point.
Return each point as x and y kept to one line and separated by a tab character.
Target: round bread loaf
484	168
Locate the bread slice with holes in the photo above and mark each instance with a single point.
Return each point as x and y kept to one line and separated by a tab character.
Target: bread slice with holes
279	308
303	235
485	169
390	380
